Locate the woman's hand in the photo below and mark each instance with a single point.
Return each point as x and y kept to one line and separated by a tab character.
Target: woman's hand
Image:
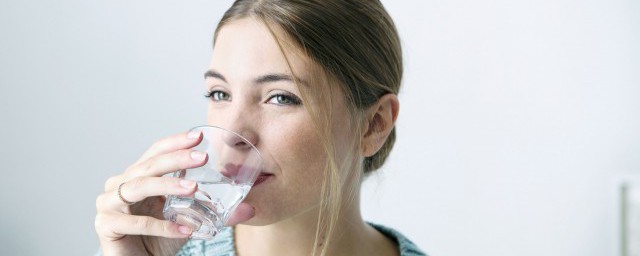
139	229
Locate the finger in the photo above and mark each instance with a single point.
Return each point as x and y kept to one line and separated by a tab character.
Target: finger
169	162
242	213
141	188
160	165
115	226
113	182
172	143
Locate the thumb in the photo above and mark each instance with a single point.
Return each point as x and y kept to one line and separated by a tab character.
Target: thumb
242	213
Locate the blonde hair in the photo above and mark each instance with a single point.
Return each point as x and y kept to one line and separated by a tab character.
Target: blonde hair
357	49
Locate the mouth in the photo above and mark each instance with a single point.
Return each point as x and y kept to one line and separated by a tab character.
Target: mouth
232	170
262	178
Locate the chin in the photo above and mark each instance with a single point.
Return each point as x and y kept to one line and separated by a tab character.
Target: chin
257	222
262	217
263	214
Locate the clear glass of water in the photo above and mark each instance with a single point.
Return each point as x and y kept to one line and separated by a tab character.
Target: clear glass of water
232	167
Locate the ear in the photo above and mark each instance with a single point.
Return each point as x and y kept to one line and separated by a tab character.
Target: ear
381	118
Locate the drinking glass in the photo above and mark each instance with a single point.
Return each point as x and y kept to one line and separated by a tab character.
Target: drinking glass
232	167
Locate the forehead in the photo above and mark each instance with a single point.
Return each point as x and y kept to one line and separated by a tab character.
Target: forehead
246	47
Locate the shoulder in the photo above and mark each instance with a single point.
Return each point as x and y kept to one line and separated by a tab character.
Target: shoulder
407	248
222	245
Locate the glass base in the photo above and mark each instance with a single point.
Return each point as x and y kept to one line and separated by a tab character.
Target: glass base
204	222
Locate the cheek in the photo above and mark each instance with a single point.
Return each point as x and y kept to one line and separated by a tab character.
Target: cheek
296	148
300	158
291	146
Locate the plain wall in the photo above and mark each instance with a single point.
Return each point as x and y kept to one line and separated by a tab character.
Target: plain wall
516	118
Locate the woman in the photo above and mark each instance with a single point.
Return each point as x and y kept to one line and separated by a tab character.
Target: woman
312	84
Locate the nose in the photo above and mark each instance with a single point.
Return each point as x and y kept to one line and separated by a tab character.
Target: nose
243	139
240	120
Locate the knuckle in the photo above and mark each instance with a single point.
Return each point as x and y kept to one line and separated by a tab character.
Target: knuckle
143	223
137	183
97	222
109	184
130	169
166	227
101	201
150	164
100	223
158	146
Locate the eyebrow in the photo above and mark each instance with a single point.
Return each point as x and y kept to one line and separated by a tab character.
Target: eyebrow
268	78
214	74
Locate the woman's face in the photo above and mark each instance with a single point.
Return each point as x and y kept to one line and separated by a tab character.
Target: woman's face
252	92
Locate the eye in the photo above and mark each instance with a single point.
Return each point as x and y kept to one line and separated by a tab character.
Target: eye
217	95
284	99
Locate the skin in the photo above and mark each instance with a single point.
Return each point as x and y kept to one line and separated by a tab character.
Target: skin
251	92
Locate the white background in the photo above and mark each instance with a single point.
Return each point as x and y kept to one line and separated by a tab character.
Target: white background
516	118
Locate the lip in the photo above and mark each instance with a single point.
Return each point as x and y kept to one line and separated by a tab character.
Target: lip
262	178
231	169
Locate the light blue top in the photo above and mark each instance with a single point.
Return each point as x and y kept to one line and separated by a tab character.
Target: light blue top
223	244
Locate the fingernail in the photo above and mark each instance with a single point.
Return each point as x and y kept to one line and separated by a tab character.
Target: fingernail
187	183
197	155
193	135
184	230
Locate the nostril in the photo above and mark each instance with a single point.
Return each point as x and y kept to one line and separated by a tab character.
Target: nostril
241	144
240	138
234	141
